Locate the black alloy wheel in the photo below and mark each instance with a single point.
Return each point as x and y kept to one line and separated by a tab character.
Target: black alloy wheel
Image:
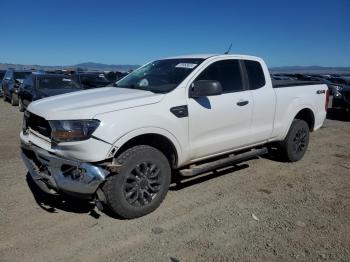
142	184
294	146
299	140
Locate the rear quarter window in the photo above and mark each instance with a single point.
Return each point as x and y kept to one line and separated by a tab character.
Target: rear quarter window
255	73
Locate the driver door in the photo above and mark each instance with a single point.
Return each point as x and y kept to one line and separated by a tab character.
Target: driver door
221	123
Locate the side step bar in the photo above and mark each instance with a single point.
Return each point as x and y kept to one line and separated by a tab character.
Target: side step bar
197	170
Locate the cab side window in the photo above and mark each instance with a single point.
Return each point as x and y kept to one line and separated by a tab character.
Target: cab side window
256	77
227	72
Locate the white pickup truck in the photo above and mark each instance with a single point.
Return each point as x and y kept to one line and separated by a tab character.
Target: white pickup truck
120	145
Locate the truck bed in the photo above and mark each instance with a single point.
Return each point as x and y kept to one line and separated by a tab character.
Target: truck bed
291	83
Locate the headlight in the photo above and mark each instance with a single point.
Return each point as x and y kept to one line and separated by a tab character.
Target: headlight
339	88
336	91
72	130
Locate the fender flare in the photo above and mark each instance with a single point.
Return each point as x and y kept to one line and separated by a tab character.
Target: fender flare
117	144
295	113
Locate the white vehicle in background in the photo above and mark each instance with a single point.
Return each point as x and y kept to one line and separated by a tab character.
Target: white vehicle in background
119	145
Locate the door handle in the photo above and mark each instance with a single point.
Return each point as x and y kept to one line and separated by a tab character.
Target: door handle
242	103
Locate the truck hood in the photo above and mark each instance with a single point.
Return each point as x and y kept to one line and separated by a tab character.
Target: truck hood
89	103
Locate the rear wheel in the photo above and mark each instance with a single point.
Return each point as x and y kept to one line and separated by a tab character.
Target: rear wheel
295	144
14	99
141	183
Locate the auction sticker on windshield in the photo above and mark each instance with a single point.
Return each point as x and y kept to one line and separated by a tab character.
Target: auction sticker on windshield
186	65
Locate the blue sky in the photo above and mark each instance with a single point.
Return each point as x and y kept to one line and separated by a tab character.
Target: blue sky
282	32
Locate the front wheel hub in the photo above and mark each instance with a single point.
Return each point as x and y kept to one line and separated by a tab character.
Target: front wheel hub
142	184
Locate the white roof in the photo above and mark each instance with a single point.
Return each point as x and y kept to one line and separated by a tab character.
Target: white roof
205	56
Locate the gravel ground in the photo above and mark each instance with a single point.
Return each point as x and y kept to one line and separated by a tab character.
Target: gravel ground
258	210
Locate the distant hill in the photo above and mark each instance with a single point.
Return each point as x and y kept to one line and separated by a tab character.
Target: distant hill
86	66
99	66
311	69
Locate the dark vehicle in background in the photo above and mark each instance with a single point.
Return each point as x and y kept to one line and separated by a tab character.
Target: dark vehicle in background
90	80
341	94
2	74
339	89
10	84
341	80
282	77
38	86
119	75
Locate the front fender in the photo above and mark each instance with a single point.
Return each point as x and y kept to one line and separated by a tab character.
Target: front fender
148	130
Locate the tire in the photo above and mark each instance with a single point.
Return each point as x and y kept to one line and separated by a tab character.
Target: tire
140	185
4	98
14	99
294	146
20	105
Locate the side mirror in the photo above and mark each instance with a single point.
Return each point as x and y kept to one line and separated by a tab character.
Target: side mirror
203	88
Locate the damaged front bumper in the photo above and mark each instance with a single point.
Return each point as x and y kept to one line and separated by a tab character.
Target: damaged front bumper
54	174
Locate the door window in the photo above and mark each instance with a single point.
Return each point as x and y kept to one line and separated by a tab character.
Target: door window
227	72
256	77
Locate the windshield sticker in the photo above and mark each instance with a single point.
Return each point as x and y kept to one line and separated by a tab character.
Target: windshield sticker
143	83
186	65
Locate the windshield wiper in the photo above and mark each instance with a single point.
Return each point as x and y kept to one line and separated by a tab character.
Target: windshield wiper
132	86
127	86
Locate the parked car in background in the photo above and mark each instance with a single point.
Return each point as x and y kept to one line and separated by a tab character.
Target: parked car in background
341	80
111	76
341	93
282	77
119	75
90	80
38	86
2	74
11	82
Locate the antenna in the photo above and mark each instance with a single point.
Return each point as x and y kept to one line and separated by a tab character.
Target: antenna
228	50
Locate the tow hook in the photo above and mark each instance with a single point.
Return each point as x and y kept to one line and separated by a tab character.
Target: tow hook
100	199
113	168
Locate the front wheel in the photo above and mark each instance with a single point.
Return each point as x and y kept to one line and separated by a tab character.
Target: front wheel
141	183
14	99
20	105
295	144
4	98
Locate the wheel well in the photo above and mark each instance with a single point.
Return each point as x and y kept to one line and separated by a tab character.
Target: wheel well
308	116
162	143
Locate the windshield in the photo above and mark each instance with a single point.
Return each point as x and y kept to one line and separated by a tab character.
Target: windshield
57	82
21	75
160	76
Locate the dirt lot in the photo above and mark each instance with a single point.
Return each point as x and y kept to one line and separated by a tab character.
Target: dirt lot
258	210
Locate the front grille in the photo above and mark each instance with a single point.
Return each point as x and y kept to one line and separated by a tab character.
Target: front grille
37	123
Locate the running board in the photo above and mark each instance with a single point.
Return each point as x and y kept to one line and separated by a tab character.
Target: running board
223	162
